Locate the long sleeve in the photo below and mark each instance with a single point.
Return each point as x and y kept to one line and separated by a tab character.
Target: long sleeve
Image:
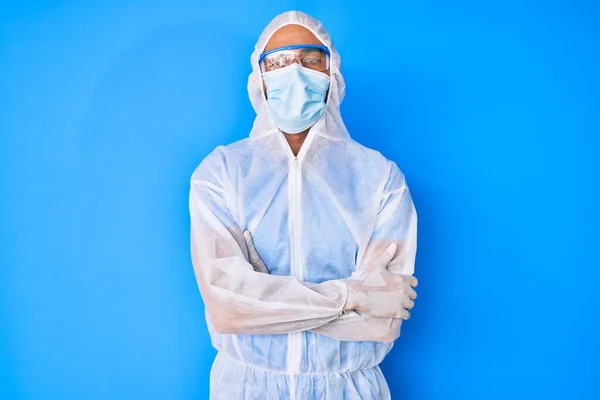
396	222
238	299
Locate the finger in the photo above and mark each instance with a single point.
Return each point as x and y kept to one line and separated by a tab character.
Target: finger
412	293
384	259
248	238
413	281
262	268
252	253
256	261
408	304
253	256
405	315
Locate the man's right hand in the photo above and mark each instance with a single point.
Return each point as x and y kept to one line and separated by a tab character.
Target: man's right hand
254	258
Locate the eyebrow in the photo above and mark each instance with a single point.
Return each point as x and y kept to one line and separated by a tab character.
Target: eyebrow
313	50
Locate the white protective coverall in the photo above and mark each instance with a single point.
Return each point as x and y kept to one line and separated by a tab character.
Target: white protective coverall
316	219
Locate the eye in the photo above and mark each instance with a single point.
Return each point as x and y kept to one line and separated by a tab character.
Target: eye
269	65
312	60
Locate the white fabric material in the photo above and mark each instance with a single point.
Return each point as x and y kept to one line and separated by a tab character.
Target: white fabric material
315	219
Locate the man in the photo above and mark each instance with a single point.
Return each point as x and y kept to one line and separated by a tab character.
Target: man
303	241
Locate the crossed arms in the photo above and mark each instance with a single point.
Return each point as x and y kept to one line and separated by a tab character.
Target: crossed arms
239	299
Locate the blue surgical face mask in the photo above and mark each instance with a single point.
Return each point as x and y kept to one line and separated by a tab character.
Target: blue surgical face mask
296	97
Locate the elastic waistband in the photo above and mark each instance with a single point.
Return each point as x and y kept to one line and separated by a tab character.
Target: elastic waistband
275	371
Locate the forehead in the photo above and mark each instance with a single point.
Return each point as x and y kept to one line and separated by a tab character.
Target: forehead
291	34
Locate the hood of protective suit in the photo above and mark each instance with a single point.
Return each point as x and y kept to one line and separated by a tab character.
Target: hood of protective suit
330	124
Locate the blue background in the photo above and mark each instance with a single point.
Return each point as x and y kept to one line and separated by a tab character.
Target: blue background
490	109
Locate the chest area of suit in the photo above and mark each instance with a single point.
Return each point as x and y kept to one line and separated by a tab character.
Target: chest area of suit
307	222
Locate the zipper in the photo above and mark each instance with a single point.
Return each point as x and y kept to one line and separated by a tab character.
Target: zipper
295	339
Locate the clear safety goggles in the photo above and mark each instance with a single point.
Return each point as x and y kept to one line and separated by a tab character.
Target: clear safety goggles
310	56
